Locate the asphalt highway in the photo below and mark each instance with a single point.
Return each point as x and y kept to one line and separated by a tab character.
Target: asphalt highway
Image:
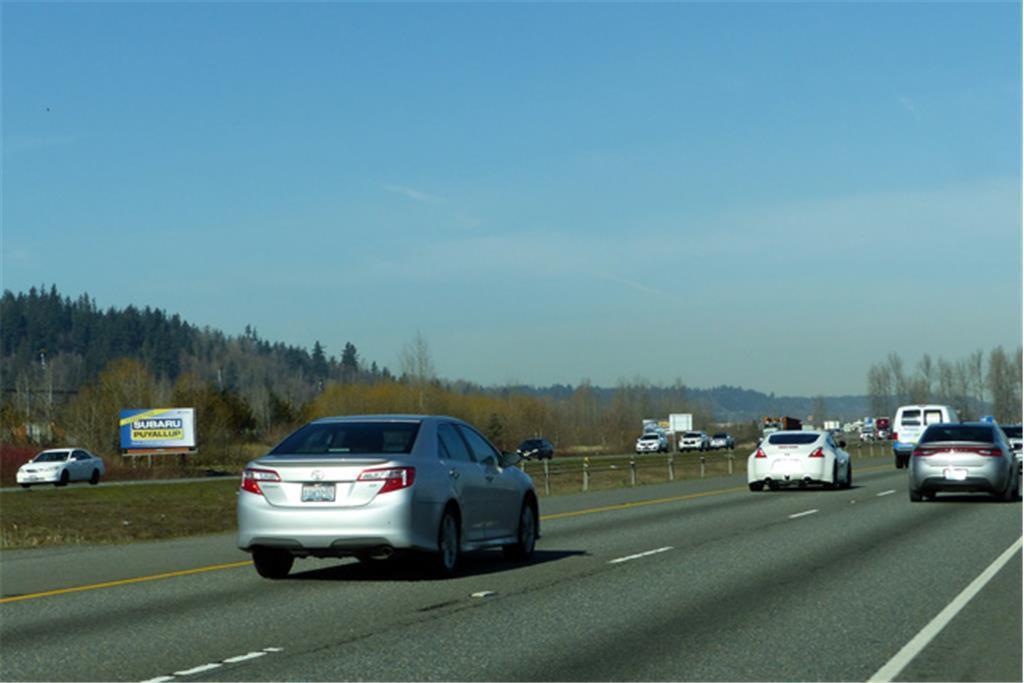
695	580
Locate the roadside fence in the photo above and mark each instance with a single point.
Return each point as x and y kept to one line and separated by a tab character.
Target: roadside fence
601	472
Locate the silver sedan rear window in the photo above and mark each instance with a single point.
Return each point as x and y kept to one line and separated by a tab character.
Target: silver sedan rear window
970	433
330	438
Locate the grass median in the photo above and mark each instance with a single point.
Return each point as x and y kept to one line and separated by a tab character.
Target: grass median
47	516
78	514
115	514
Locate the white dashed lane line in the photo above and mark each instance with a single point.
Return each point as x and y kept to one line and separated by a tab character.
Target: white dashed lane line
203	668
639	555
198	669
803	514
886	493
242	658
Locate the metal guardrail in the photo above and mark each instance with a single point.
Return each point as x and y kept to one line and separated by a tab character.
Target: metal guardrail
631	468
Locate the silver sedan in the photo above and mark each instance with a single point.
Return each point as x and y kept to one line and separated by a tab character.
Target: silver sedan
368	486
965	457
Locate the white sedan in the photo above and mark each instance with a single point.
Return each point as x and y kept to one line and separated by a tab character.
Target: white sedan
801	458
59	466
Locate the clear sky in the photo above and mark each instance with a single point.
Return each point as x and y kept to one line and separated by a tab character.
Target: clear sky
770	196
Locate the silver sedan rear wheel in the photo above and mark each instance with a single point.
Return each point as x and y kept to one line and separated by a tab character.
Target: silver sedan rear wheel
272	563
445	562
526	535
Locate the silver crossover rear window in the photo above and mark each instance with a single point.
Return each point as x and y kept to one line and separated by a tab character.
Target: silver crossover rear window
972	433
792	439
326	438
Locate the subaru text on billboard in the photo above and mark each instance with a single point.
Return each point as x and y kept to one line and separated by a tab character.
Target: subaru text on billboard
158	428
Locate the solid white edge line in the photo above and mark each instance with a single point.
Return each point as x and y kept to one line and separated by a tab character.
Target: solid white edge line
242	658
804	513
894	666
885	493
639	555
160	679
198	669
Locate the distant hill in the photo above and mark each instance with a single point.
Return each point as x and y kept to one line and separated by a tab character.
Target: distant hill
727	404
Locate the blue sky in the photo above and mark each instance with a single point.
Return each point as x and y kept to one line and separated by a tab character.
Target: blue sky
772	195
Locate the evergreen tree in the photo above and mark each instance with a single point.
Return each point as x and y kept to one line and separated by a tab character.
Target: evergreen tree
319	361
349	362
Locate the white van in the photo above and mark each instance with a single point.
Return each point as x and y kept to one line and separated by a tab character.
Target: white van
910	423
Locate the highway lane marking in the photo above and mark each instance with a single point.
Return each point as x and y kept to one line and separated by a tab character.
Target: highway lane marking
198	669
803	514
242	658
627	558
213	665
640	503
125	582
233	565
894	666
886	493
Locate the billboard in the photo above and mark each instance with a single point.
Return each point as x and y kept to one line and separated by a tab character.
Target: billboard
680	422
158	428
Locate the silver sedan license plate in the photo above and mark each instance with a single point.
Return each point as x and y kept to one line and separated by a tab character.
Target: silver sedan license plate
318	493
955	473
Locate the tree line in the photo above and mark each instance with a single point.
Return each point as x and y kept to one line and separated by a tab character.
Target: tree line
975	385
584	421
68	368
52	347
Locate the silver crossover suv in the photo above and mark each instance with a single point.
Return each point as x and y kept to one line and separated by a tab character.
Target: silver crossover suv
371	485
971	456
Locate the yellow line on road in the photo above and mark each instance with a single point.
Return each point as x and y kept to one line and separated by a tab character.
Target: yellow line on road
244	563
125	582
640	503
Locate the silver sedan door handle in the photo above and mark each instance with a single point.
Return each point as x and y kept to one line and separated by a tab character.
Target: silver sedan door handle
453	473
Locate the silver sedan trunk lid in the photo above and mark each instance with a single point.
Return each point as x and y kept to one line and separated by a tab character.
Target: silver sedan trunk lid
320	482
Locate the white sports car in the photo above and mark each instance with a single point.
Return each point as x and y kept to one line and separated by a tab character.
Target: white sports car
801	458
59	466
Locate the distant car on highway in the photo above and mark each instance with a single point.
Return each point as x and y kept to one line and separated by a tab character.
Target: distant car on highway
964	457
60	466
539	448
652	442
694	441
722	440
799	458
370	486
